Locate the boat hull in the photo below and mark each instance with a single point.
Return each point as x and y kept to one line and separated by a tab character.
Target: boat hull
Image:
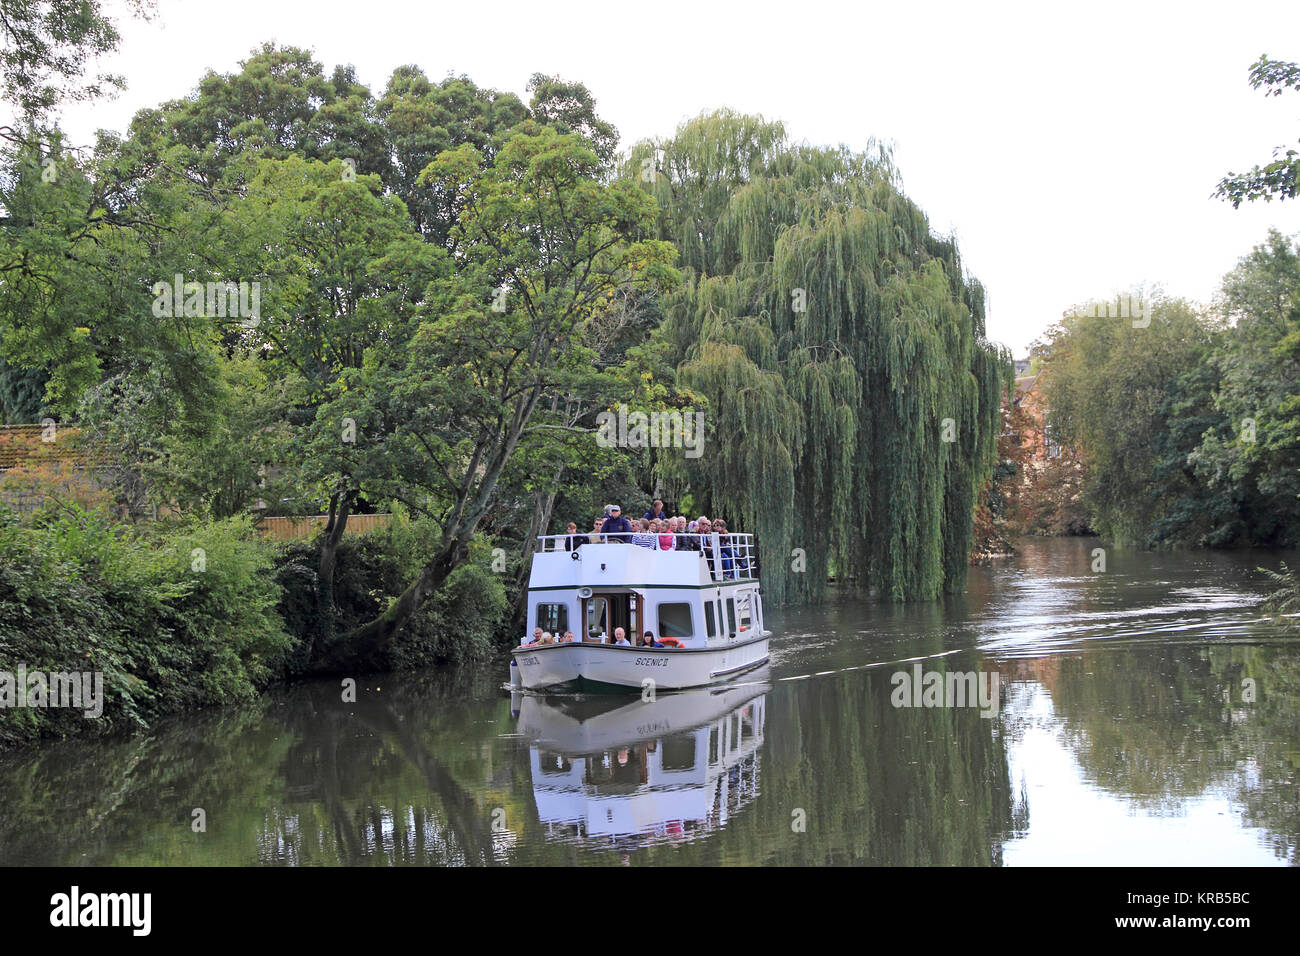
609	665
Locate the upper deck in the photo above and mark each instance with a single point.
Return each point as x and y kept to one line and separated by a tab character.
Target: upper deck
611	564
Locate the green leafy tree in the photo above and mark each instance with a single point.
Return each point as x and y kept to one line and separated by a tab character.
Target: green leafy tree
852	400
1111	387
278	104
568	107
1254	447
84	244
544	246
344	272
421	120
1281	177
47	47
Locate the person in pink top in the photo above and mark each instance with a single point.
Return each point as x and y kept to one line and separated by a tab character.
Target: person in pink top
667	540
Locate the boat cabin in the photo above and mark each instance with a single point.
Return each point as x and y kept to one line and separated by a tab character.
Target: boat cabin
703	594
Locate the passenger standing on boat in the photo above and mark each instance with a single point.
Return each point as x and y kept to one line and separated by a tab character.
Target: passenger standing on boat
574	541
656	512
617	528
595	537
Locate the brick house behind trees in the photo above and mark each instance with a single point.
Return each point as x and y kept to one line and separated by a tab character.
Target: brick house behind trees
1049	499
42	461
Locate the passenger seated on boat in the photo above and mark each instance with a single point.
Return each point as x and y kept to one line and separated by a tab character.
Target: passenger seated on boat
536	639
574	541
620	638
724	549
643	538
547	638
705	527
648	640
568	638
595	536
688	541
616	527
667	540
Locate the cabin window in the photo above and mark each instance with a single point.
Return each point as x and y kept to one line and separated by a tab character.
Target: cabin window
678	752
553	618
742	611
553	765
731	616
675	620
710	618
747	729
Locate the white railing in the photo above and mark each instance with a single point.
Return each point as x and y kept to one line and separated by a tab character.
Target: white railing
728	555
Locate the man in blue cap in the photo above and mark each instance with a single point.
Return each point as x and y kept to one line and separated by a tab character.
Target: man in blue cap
617	528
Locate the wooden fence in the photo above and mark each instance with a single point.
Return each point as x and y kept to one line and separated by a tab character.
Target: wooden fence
300	529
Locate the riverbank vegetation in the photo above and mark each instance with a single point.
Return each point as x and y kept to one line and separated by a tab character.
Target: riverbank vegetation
1185	421
182	615
172	618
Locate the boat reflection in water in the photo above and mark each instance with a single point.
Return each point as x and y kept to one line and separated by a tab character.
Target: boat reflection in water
623	774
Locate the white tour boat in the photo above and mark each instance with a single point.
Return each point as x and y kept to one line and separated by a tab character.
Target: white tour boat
703	605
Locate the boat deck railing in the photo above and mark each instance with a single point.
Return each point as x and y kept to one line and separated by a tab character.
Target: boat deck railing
729	556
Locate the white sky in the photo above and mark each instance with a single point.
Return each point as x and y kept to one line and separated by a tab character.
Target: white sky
1072	152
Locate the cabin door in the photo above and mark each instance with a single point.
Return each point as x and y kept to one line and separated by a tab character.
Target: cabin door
609	611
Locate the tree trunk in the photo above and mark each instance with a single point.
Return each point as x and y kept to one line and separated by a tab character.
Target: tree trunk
362	647
544	505
340	508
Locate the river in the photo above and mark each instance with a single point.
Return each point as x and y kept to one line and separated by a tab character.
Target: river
1144	714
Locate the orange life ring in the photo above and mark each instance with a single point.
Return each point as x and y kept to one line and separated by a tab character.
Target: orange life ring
670	642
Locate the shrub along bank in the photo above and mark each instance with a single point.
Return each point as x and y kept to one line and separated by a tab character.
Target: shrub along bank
176	618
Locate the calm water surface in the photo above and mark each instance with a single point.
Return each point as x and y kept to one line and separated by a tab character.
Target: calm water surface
1144	715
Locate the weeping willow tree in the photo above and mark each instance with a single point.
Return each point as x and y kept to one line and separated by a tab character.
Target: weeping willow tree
853	402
